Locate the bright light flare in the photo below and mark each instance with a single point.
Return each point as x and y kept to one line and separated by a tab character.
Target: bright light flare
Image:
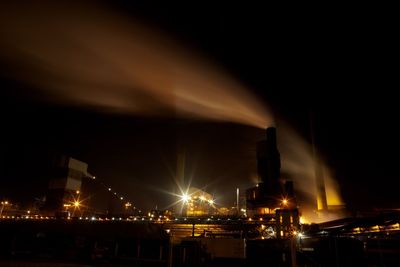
185	198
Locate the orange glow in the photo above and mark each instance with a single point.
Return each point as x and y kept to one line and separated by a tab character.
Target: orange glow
299	164
75	47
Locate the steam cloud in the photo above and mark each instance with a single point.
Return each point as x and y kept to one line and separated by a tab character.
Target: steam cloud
87	55
298	162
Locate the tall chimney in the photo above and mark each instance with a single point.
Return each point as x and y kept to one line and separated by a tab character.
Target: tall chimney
322	203
268	160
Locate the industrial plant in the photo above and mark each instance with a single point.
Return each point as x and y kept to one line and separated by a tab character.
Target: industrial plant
265	230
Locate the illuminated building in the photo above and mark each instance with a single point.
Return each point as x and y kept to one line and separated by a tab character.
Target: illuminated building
198	203
287	222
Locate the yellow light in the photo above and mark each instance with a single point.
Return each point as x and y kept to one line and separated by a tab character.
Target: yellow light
77	204
109	189
121	198
202	198
77	191
28	212
284	201
303	220
5	202
211	202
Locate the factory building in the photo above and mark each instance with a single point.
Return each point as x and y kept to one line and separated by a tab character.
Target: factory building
65	185
272	199
287	222
198	203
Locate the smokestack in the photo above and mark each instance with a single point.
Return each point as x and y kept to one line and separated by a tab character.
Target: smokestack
268	160
237	201
322	203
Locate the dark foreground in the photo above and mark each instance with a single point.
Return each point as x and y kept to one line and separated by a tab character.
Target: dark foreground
62	243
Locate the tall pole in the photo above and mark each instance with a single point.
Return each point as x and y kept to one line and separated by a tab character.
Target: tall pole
237	201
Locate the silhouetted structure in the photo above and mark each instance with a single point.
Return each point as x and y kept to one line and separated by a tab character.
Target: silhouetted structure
271	194
65	184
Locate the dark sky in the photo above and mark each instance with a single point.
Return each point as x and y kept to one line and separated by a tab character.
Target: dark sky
338	62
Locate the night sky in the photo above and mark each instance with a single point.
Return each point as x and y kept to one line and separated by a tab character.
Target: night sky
338	63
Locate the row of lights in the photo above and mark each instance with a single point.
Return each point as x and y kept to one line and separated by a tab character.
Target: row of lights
127	205
28	217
